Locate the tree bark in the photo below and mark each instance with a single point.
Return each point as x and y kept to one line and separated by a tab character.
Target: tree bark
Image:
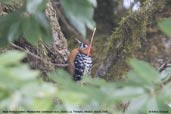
58	52
126	39
60	42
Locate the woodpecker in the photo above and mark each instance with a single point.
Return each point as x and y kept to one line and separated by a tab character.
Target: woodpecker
80	61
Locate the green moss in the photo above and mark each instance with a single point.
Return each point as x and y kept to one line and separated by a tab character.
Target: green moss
126	39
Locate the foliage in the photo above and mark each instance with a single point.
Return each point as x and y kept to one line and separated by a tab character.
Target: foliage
80	13
25	92
165	26
146	77
28	21
19	87
22	90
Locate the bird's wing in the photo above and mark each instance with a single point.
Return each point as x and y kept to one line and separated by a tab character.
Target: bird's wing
71	59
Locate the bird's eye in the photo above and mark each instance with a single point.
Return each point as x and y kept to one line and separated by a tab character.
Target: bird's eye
83	46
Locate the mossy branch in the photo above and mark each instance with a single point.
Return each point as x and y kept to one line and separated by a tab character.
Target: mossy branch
126	39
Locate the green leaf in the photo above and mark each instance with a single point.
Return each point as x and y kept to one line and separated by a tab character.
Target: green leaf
33	25
80	14
11	57
7	76
165	94
128	93
39	90
16	75
94	82
145	72
152	104
18	85
132	80
10	27
42	20
32	35
93	2
24	69
138	105
4	82
78	24
72	97
3	94
59	76
12	70
41	28
165	26
82	95
35	6
41	104
163	105
14	32
45	29
3	42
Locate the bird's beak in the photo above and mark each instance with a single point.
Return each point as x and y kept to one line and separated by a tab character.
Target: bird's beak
78	41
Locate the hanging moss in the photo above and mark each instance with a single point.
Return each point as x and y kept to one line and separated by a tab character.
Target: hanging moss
126	39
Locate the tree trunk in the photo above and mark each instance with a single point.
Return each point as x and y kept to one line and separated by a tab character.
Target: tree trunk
104	16
58	52
60	42
126	39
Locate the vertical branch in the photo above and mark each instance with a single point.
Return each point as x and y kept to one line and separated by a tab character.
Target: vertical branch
60	43
126	39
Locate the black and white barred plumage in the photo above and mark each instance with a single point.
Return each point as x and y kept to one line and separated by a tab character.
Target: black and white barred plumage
83	64
165	72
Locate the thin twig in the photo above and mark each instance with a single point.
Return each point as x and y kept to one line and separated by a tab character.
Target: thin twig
46	46
91	40
125	106
32	54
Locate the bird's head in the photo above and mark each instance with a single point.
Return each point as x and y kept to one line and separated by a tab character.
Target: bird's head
86	49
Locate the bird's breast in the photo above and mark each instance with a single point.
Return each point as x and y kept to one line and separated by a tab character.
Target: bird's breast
83	63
